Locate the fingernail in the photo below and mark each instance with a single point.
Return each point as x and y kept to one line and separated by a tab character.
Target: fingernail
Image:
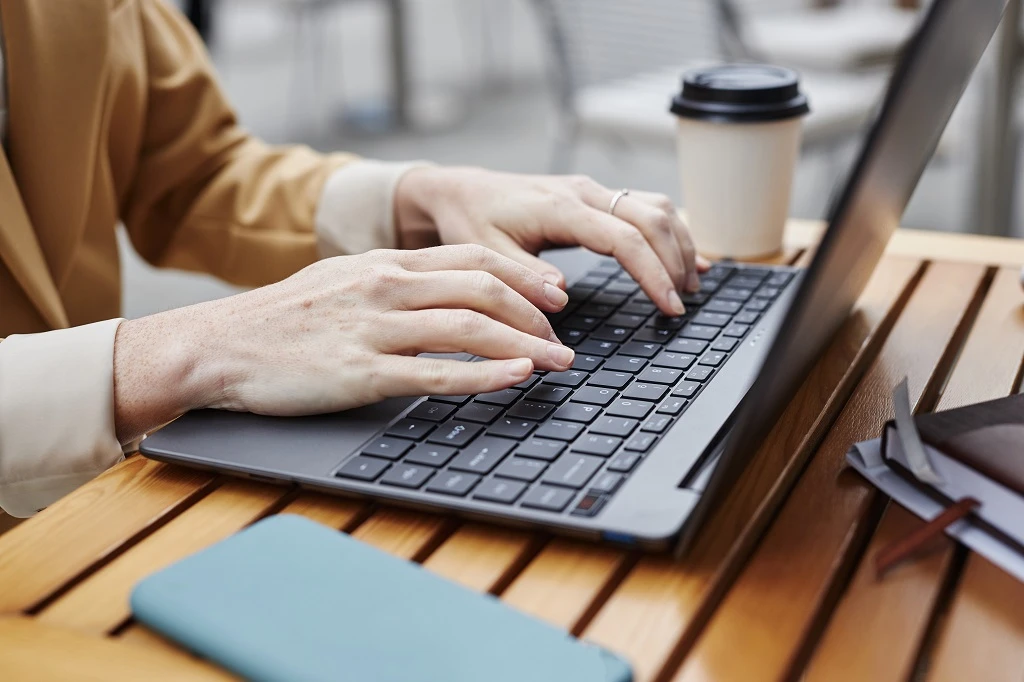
553	278
561	355
694	283
676	303
555	295
519	369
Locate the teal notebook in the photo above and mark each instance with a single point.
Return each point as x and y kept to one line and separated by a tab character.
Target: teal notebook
289	599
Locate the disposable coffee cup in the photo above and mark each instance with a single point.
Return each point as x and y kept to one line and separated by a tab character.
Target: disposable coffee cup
738	141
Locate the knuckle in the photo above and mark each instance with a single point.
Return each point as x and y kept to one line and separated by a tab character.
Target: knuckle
464	323
662	224
665	204
439	376
486	284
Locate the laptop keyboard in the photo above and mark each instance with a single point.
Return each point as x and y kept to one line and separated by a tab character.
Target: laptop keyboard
564	442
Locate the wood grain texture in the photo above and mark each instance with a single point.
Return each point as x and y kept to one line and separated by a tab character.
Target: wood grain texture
43	653
100	602
656	613
777	602
890	618
84	528
403	533
482	557
564	580
336	512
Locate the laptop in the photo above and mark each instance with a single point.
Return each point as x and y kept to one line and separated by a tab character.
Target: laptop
658	415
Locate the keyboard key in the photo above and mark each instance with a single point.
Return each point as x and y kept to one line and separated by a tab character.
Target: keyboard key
589	505
634	409
651	335
641	442
511	428
614	426
687	389
432	411
456	434
709	285
572	470
638	308
699	331
672	406
719	271
624	461
626	320
660	375
625	363
521	468
498	490
571	378
559	430
590	282
724	344
452	483
595	347
767	292
721	305
580	322
596	310
594	395
713	358
621	287
712	319
586	363
413	429
363	468
699	373
643	350
453	399
388	448
674	360
610	379
577	412
506	397
687	346
608	298
431	455
541	448
483	455
548	498
606	483
657	424
700	297
597	445
571	337
746	281
779	279
735	293
737	330
640	391
669	323
609	333
407	476
746	317
528	409
527	383
757	305
481	413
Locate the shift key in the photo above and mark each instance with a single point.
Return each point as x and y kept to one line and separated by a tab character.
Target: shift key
572	470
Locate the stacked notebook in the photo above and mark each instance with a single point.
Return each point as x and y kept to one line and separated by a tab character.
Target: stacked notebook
965	464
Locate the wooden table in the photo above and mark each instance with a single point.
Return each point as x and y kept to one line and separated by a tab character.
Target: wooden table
780	584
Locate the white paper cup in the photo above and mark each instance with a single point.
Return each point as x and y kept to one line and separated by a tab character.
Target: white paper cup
738	138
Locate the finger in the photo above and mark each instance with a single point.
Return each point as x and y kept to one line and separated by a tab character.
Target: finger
467	331
677	226
501	242
531	285
403	376
474	290
606	234
659	229
703	264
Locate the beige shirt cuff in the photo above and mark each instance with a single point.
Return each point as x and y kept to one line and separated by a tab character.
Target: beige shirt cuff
56	414
356	209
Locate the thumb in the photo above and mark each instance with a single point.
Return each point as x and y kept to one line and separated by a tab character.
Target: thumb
506	246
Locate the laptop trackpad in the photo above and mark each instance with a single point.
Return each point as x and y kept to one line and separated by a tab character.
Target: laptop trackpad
303	446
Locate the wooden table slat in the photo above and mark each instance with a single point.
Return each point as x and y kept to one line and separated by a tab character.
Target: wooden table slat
657	610
100	602
330	510
83	529
777	602
890	617
407	534
482	557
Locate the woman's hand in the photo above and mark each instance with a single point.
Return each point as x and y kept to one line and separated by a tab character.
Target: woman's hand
520	215
341	333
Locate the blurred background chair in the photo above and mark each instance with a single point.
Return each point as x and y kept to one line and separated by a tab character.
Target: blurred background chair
615	65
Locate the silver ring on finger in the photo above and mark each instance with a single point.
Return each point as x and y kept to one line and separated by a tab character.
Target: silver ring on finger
615	200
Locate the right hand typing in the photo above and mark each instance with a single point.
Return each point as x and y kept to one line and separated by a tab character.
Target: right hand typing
341	333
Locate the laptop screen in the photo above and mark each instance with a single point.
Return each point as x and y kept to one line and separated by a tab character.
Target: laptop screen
926	85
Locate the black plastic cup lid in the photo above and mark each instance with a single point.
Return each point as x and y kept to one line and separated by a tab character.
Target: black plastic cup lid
740	93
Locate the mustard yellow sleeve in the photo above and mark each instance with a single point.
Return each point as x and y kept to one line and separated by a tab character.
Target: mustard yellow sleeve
207	195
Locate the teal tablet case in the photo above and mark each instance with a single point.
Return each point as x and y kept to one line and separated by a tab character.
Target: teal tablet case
289	599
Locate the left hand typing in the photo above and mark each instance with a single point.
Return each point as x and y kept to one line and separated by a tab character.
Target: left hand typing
520	215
